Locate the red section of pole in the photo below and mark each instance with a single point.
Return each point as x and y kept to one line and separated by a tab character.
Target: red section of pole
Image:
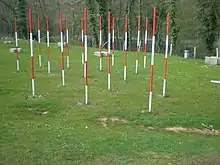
168	23
38	23
154	22
30	20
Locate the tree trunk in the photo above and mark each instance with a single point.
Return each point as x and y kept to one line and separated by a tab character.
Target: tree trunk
91	9
131	16
103	11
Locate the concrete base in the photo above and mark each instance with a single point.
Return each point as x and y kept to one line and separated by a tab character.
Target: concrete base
13	50
215	81
212	60
59	44
218	60
8	42
104	54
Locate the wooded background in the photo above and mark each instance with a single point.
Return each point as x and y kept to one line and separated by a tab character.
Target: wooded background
193	22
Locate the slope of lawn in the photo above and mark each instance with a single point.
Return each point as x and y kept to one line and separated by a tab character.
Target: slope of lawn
57	128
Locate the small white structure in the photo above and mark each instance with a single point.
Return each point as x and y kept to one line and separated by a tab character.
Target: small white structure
186	53
103	53
59	44
212	60
8	42
13	50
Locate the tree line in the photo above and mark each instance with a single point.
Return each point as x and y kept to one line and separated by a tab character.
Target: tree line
190	19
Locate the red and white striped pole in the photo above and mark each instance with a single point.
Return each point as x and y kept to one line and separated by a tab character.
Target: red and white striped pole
125	47
145	43
32	53
109	50
100	42
39	41
16	44
67	44
152	61
166	55
83	47
48	45
62	53
86	56
113	41
138	43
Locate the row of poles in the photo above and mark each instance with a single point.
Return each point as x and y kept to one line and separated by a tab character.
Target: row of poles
39	47
48	47
111	26
39	43
111	29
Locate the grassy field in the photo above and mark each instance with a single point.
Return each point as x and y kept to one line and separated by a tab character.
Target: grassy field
71	132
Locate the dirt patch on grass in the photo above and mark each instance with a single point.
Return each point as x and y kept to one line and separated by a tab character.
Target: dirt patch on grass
207	130
204	131
104	120
205	161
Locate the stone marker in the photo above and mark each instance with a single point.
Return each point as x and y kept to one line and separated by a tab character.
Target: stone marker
13	50
8	42
211	60
104	54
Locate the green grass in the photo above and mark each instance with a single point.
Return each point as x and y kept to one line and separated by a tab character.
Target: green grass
61	137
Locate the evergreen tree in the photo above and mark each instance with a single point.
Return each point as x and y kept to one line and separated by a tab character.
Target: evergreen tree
21	14
174	28
207	16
